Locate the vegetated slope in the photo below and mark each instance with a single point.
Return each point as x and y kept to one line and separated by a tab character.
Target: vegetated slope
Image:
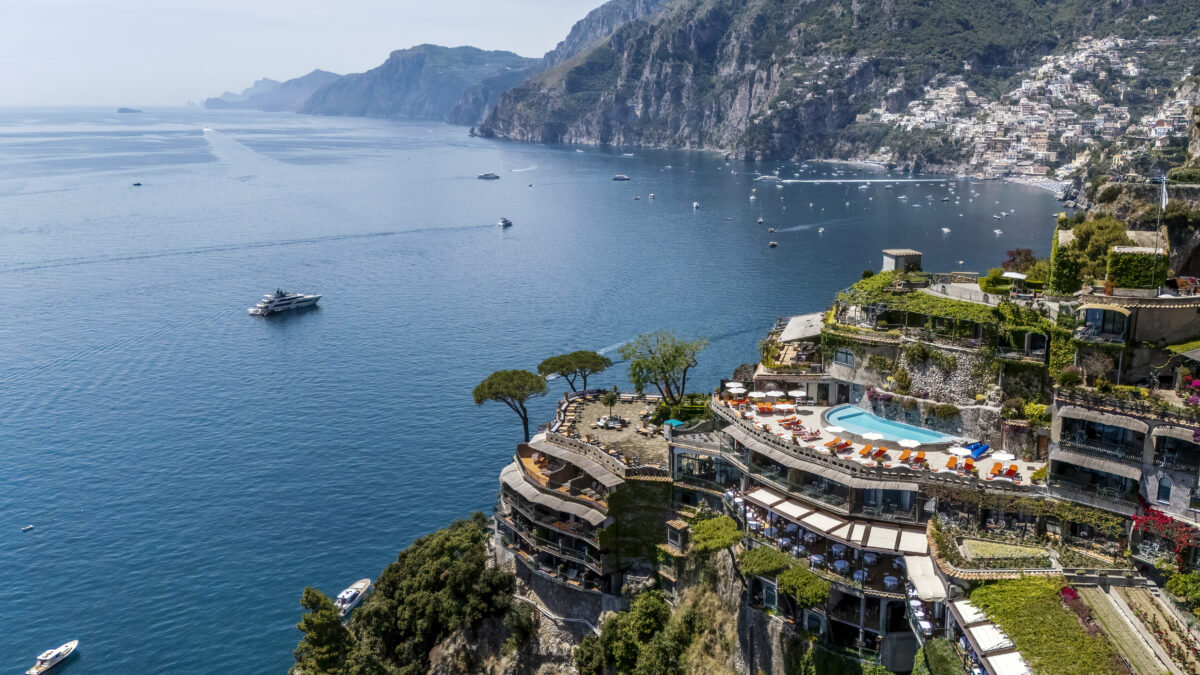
786	78
1135	651
423	82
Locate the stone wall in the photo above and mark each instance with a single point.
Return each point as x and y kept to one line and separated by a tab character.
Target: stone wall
958	386
977	422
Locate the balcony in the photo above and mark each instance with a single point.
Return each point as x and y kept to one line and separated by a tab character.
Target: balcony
553	547
577	530
1113	451
1101	497
1186	462
1129	406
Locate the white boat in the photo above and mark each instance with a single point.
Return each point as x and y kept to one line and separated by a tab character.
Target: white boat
504	222
488	176
946	230
620	176
998	232
864	186
772	244
52	657
282	302
695	205
820	230
349	598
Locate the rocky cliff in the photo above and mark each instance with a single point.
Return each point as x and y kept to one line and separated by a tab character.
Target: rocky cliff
423	82
474	105
784	78
272	96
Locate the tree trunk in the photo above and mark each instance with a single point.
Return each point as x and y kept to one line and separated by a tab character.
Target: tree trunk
525	424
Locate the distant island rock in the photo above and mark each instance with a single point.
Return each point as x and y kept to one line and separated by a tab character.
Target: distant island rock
128	110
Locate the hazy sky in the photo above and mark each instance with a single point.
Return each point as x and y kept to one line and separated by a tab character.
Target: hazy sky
166	52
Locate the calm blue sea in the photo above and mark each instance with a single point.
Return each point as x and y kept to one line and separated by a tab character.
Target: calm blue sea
189	469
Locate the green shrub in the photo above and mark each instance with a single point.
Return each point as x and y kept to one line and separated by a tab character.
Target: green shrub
715	533
763	561
937	657
995	282
901	381
1109	194
809	590
944	411
1184	174
1137	270
1036	413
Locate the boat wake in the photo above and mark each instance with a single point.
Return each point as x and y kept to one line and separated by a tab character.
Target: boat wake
529	168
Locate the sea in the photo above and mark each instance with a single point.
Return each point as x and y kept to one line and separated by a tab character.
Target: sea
188	469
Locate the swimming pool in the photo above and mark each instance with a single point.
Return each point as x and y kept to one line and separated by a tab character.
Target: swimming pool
859	421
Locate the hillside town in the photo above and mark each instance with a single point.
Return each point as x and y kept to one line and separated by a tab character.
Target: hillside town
1064	110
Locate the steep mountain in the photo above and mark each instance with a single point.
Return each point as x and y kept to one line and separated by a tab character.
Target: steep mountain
423	82
477	102
787	78
281	96
229	98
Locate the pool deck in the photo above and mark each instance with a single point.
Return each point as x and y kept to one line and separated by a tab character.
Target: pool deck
936	455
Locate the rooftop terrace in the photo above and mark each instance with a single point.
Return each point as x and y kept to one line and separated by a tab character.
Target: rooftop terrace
635	442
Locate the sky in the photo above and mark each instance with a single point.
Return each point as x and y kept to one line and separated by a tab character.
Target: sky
168	52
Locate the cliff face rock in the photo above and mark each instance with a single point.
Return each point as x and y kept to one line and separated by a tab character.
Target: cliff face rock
477	102
423	82
780	78
232	100
287	96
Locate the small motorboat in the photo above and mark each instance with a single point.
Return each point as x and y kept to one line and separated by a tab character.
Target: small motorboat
489	176
759	221
864	186
620	176
137	185
770	229
946	230
349	598
636	198
27	528
504	222
752	197
996	216
651	195
820	230
52	657
772	244
998	232
695	205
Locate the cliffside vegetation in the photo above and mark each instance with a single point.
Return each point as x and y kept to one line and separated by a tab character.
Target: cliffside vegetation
438	585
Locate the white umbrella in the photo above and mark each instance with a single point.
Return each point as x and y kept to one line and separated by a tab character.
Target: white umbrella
794	393
737	388
873	436
775	392
757	394
1003	456
733	385
909	443
835	430
960	451
785	406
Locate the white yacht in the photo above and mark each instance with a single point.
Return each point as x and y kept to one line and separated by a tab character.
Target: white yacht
52	657
349	598
281	302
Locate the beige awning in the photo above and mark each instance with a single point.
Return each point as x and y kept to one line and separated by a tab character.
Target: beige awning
859	533
1097	463
968	614
1010	663
791	510
813	467
764	497
1110	308
913	541
924	579
882	538
989	637
841	531
515	480
819	522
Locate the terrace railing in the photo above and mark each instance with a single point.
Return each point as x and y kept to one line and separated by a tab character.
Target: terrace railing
555	548
1117	453
588	450
1150	409
542	521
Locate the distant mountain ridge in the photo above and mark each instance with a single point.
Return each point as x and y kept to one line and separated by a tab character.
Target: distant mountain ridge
272	96
422	82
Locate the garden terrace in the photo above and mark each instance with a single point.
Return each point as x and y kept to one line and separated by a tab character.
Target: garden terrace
634	442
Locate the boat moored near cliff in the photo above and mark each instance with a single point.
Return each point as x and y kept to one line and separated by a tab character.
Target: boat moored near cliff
52	657
348	599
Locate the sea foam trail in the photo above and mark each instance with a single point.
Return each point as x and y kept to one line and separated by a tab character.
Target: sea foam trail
528	168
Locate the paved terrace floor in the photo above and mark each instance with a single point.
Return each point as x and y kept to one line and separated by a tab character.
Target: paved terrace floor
646	448
810	418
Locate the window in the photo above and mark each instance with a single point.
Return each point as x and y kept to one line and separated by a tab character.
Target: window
1164	489
844	356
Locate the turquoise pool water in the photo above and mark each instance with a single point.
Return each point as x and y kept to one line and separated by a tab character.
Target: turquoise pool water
859	421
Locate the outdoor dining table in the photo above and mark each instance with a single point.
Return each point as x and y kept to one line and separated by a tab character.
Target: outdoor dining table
841	565
753	524
870	558
738	500
839	549
785	542
810	537
816	559
860	576
926	627
891	583
898	563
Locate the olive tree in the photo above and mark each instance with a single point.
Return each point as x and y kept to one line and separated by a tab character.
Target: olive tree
575	366
663	360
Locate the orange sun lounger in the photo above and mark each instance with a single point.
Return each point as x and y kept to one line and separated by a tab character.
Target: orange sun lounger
920	458
968	464
866	451
952	462
1012	472
880	453
905	455
996	469
836	441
